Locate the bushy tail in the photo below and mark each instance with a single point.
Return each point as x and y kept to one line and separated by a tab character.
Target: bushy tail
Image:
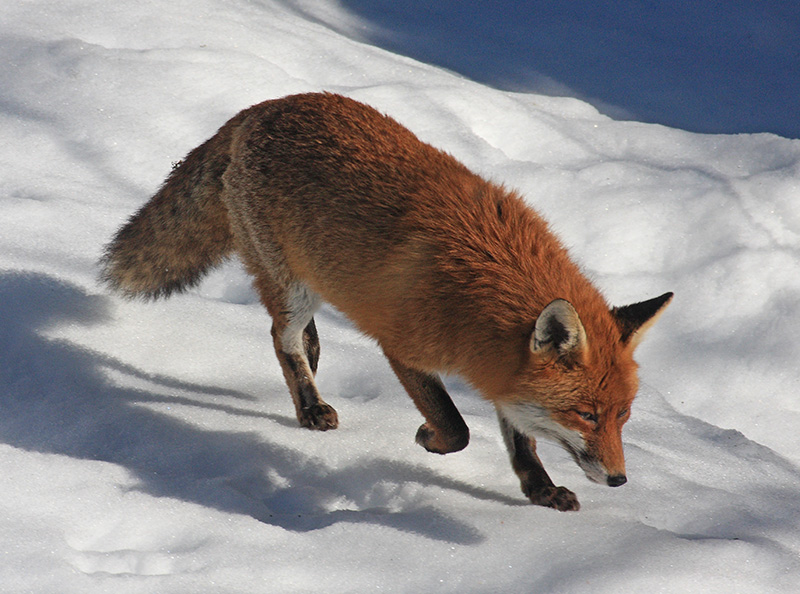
181	233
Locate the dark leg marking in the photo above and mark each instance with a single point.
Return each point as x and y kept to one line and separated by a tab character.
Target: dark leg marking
311	345
444	430
312	411
536	484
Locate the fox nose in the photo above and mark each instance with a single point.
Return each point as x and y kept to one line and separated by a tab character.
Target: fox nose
616	480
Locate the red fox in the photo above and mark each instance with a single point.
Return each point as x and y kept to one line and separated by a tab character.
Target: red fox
325	198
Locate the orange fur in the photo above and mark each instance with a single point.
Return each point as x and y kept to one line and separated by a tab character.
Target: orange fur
323	196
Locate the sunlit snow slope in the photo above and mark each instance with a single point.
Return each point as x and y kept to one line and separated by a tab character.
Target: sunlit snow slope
152	447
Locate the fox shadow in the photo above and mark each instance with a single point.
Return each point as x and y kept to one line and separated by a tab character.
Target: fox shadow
58	398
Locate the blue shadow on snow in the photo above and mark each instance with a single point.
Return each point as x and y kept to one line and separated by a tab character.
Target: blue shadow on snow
715	67
58	399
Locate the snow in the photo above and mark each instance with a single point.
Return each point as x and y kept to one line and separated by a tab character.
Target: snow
153	447
700	66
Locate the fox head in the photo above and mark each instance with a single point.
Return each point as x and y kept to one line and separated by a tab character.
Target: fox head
577	390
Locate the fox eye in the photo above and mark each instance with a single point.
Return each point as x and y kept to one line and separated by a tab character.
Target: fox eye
622	413
587	416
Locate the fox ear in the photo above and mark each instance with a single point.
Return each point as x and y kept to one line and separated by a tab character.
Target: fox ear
559	332
634	320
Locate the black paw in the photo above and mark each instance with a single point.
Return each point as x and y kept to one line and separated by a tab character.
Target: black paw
319	417
559	498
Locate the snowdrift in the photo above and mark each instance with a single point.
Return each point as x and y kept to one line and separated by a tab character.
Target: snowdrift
153	447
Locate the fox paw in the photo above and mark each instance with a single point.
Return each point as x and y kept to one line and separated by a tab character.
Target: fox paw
319	417
434	442
559	498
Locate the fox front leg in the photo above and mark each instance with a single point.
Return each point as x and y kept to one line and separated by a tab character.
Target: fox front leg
534	480
444	430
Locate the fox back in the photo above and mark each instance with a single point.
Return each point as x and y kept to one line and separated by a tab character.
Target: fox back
444	269
326	199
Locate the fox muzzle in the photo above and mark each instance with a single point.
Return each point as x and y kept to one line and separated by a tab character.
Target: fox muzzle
616	480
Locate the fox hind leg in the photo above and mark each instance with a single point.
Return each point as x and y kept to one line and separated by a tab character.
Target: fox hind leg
296	342
534	480
311	345
290	303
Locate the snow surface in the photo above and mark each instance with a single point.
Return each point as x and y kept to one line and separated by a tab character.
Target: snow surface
153	447
708	66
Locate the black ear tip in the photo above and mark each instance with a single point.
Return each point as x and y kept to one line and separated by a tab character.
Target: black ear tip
631	318
656	303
